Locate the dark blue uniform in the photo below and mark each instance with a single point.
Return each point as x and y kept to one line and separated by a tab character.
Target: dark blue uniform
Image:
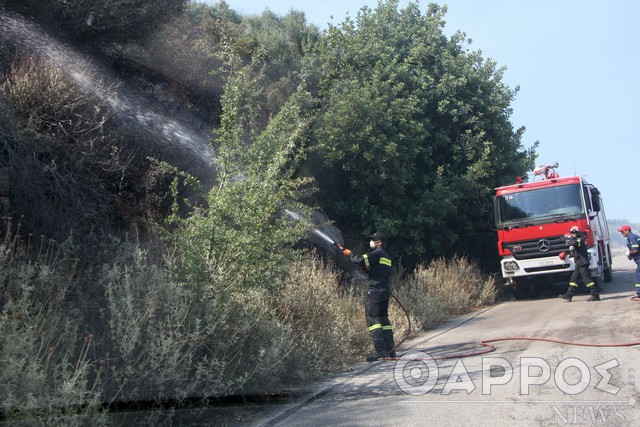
378	266
633	243
577	241
581	260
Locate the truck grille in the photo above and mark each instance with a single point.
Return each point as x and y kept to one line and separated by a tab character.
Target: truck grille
549	268
535	248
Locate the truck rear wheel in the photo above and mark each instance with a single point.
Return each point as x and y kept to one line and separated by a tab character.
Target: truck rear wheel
608	271
606	275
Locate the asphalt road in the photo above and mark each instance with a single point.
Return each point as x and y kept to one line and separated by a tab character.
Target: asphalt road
522	382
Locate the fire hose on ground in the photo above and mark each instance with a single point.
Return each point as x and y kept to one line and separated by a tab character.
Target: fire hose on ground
489	347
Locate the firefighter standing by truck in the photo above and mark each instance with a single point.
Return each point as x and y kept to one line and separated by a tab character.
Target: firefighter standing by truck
378	266
577	241
633	253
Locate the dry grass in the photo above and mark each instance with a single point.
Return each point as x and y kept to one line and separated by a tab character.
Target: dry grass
46	372
445	288
327	320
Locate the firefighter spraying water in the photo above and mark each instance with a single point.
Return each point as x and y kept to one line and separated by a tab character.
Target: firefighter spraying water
377	264
377	268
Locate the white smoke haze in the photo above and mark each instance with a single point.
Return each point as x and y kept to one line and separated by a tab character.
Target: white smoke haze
170	135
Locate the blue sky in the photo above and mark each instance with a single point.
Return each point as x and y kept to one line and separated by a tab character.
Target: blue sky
576	62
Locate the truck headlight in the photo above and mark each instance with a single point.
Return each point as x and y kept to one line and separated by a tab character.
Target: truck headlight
511	266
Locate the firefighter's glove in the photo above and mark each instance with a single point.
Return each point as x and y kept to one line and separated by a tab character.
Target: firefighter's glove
628	254
346	251
562	255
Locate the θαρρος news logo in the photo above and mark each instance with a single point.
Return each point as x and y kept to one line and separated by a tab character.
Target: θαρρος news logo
417	373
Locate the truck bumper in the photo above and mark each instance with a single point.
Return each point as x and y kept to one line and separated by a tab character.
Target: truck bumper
551	265
533	267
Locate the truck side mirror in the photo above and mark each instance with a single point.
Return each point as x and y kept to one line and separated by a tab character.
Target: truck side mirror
595	199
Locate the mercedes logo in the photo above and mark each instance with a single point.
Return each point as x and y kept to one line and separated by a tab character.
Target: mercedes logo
544	245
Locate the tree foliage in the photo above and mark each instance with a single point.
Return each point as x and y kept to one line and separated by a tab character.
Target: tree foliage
413	131
274	45
243	237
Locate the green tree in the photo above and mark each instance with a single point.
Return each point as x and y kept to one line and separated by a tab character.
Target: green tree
243	237
412	131
275	45
280	45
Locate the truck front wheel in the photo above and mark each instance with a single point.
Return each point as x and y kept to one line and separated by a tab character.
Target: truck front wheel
524	290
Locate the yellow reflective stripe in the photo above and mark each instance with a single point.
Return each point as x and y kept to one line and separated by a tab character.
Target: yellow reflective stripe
573	284
387	328
385	261
376	326
590	285
366	261
637	285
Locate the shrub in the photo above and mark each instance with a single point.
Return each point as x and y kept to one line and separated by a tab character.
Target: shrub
72	344
327	321
47	373
166	342
445	288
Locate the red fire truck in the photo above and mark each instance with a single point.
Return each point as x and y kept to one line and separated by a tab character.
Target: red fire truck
532	220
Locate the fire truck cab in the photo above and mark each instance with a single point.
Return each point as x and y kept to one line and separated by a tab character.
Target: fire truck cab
532	220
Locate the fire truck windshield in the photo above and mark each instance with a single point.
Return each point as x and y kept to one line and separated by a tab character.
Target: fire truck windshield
544	204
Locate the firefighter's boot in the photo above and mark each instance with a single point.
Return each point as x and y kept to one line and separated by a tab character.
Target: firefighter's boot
595	293
569	295
378	344
389	344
